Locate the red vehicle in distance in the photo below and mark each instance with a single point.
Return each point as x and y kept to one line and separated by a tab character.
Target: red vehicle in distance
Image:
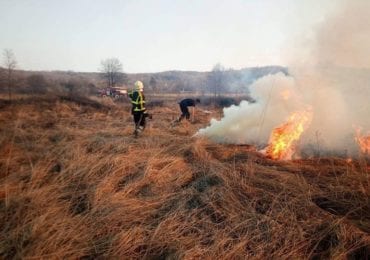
113	92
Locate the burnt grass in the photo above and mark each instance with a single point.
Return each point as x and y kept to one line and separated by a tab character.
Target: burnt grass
75	183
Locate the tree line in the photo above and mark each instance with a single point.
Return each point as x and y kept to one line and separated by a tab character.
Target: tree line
216	82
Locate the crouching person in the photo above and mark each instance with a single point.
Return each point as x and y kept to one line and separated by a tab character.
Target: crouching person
138	107
184	107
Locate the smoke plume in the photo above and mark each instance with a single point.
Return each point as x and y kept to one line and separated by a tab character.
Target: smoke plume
334	82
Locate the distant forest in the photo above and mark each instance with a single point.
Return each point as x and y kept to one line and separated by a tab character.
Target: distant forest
217	81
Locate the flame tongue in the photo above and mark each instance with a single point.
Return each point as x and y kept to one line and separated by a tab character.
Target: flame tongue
283	139
363	141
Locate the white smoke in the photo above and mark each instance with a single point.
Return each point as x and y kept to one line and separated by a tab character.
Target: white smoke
334	82
276	96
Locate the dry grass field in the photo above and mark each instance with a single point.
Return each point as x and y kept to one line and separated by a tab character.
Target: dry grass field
76	184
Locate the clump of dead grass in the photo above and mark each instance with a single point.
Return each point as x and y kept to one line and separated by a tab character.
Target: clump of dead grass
76	184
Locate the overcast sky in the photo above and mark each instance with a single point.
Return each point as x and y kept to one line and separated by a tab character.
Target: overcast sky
156	35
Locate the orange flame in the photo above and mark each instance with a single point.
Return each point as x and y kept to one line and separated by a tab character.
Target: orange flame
283	139
363	141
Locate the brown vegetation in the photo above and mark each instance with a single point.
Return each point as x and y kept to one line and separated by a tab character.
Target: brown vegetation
87	83
76	184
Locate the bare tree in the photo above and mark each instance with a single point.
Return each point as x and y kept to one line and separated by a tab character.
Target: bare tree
216	80
37	83
10	64
153	83
112	71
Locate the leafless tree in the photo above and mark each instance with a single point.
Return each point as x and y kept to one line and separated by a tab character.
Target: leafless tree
216	80
37	83
112	71
10	64
153	83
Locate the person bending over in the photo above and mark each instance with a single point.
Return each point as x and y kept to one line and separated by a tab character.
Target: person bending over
184	107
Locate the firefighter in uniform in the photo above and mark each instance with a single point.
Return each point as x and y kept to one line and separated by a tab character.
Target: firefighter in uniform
138	107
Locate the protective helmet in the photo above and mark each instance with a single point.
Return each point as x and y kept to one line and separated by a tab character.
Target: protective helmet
139	85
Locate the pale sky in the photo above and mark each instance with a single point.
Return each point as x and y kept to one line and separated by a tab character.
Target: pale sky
156	35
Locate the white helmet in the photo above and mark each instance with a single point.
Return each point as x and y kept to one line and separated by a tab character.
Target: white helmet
139	85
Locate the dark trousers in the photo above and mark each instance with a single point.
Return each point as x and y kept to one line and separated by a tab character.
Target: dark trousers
139	119
184	112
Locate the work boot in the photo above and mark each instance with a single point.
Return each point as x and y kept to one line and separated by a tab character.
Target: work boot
136	133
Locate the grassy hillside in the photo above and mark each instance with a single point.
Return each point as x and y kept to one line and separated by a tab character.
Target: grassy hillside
235	81
76	184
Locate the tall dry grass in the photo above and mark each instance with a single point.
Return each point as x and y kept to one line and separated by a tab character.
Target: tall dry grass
76	184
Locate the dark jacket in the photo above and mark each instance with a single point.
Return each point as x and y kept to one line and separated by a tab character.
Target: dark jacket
137	101
187	102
